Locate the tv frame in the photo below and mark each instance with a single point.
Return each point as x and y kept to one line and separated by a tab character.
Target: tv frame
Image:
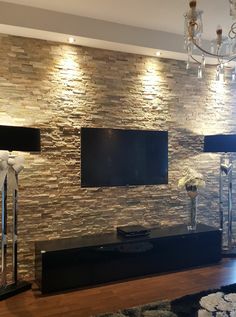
86	185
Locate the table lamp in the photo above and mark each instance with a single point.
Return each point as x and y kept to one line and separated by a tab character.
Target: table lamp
224	143
13	138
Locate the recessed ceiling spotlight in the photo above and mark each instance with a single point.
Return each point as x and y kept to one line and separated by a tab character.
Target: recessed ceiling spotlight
71	40
158	53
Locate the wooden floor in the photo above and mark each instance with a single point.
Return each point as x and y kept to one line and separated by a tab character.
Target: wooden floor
88	302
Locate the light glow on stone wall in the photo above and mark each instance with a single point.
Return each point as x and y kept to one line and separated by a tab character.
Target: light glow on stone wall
150	78
67	64
216	111
10	120
67	73
6	121
219	87
222	113
68	67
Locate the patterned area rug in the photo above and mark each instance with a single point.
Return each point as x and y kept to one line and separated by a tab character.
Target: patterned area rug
217	304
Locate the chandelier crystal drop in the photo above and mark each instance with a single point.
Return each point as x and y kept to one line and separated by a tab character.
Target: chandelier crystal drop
222	48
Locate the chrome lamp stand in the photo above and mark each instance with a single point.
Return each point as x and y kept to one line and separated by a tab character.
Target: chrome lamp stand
10	289
225	144
23	139
226	167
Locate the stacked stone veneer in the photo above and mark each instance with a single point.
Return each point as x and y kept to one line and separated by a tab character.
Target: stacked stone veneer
60	88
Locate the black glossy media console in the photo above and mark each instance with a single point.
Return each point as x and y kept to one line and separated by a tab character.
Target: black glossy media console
77	262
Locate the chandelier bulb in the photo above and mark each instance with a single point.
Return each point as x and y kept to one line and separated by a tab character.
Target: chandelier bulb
192	4
219	30
219	35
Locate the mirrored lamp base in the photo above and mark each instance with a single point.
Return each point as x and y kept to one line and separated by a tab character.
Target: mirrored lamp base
14	289
231	253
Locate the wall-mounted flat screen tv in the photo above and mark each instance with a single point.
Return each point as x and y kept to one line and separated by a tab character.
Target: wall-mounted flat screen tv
114	157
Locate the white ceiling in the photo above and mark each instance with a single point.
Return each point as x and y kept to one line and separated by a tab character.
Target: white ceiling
164	15
156	15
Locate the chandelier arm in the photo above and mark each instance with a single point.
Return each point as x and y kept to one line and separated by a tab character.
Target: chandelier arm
208	53
232	58
232	31
195	60
225	46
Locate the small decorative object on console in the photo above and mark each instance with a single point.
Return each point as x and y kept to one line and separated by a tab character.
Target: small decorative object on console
132	231
192	180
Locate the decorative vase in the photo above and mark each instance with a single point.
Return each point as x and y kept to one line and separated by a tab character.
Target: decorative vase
192	193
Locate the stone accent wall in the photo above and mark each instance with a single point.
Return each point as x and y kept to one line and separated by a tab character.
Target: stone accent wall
60	88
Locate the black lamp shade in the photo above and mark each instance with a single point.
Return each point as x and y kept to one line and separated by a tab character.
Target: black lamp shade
220	143
19	139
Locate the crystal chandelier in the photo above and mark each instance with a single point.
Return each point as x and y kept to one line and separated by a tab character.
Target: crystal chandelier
223	48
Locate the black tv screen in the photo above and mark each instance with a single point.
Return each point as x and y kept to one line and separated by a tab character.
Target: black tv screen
114	157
